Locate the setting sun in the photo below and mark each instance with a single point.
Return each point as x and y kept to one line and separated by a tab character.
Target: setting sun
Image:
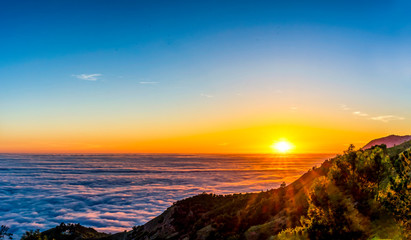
282	146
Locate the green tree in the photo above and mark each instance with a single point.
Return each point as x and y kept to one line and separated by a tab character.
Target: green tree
4	232
331	214
397	196
373	167
32	235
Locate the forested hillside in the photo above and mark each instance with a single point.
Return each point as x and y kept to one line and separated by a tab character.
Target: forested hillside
358	195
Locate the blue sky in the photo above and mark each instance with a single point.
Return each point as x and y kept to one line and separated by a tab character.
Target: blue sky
47	29
200	65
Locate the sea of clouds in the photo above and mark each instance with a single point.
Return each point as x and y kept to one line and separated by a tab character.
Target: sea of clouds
112	193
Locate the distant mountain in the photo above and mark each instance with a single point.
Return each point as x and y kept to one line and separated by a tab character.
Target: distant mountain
390	141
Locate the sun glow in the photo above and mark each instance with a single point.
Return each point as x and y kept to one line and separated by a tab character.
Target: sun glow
282	146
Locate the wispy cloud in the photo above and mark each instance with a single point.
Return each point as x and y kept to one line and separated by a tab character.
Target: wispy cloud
149	83
387	118
382	118
361	114
344	107
88	77
206	95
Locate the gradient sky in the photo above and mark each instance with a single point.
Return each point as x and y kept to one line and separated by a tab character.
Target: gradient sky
202	76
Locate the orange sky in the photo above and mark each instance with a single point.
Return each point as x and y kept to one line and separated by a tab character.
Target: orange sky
211	126
205	81
306	138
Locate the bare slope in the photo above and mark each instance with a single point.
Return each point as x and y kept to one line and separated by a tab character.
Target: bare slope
390	141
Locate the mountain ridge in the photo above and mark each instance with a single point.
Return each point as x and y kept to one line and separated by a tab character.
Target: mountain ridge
389	141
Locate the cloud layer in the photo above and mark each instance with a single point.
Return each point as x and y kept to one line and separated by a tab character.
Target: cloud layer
114	192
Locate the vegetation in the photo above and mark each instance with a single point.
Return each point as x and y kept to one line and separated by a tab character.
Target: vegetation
65	232
362	194
4	233
366	194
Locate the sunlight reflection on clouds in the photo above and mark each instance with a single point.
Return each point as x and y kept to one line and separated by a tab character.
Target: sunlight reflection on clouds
114	192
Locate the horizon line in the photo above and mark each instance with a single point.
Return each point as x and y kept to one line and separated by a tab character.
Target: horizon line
157	153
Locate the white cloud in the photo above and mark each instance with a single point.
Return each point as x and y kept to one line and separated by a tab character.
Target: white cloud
206	95
88	77
344	107
382	118
148	83
361	114
387	118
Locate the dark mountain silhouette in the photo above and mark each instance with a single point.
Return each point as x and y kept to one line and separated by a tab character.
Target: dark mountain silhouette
389	141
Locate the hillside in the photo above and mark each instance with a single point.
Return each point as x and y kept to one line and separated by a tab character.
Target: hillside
361	194
389	141
259	215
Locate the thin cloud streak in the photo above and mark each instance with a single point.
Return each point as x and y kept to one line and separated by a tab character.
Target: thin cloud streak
387	118
381	118
206	95
88	77
345	107
149	83
361	114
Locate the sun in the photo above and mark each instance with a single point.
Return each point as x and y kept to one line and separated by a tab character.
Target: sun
282	146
